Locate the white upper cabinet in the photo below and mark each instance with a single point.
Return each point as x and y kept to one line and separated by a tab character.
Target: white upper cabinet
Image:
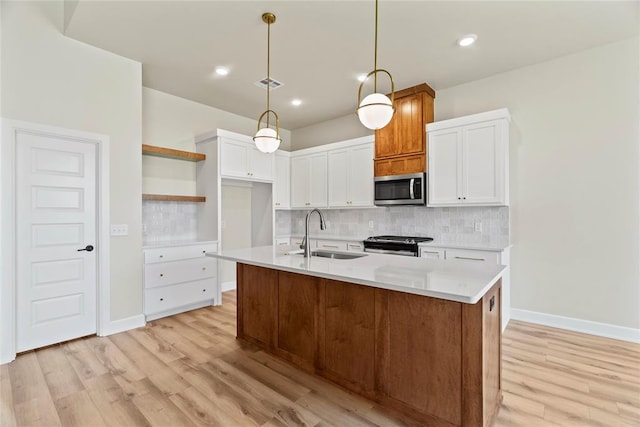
351	176
282	181
309	180
242	160
469	160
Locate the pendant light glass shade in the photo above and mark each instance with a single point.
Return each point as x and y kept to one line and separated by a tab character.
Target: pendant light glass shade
376	110
267	139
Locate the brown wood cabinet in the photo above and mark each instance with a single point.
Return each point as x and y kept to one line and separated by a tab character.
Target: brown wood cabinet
401	145
435	360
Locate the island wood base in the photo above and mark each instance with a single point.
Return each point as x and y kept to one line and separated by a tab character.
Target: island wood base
437	361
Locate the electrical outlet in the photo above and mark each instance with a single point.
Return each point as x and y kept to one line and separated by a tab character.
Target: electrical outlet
119	230
371	225
478	227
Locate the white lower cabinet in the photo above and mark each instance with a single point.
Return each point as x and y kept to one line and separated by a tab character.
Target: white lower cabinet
432	253
179	278
477	256
332	245
355	246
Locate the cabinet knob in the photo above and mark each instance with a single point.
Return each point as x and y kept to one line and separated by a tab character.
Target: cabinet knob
464	198
204	268
459	198
161	256
161	275
204	252
161	299
204	290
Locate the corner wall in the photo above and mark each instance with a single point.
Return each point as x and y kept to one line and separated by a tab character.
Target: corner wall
50	79
574	180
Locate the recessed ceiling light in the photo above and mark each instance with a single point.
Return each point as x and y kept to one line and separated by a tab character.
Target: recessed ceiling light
362	77
222	71
296	102
467	40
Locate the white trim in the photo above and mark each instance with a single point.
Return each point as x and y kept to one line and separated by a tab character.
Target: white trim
227	286
7	203
486	116
178	310
122	325
578	325
335	146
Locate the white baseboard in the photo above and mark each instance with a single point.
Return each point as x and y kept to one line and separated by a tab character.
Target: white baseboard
228	286
578	325
122	325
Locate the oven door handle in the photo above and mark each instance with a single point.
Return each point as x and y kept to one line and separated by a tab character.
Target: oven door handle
383	251
411	194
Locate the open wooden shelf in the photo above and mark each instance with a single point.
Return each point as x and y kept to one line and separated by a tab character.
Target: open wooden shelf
170	153
170	198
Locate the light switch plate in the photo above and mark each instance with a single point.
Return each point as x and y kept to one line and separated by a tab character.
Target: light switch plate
119	229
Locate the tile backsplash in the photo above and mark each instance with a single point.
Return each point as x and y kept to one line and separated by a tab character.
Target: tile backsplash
164	222
446	225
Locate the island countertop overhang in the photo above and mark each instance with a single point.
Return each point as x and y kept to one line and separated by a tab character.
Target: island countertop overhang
450	280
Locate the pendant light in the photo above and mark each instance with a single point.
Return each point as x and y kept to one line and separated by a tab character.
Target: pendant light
267	139
376	110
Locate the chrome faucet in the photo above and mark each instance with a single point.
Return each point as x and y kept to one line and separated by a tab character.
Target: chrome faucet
305	240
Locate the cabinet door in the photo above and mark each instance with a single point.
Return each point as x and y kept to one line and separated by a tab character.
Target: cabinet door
282	182
409	130
300	182
386	144
482	164
360	170
318	180
233	159
444	167
338	161
259	164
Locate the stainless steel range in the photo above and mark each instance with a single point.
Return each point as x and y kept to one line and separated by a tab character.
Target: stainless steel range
396	245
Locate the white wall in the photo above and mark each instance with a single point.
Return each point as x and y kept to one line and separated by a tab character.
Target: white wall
574	180
338	129
236	225
170	121
50	79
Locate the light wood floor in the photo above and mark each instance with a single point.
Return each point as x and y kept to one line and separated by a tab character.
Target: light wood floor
189	370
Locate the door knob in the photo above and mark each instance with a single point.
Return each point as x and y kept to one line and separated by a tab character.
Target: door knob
87	248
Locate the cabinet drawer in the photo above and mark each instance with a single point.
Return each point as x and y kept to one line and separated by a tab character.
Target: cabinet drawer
169	273
297	241
473	256
169	297
332	245
174	253
282	241
355	246
432	253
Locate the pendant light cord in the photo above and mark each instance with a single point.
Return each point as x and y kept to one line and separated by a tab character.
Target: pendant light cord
375	54
269	66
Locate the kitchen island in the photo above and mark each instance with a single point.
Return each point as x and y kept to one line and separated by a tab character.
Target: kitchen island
422	337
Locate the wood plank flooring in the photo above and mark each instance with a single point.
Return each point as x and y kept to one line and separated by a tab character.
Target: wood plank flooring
189	370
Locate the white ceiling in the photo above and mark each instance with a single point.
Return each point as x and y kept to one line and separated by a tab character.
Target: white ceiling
319	47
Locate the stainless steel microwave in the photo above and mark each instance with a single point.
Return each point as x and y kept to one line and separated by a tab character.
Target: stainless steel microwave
409	189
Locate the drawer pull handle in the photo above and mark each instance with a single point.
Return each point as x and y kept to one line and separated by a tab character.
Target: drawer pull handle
329	246
492	302
430	252
469	258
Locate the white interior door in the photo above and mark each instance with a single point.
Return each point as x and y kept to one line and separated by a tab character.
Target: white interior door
55	231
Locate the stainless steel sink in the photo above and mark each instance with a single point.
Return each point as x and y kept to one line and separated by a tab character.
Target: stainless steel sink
336	255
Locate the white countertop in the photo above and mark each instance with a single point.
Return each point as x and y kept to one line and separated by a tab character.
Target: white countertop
491	247
173	243
450	280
